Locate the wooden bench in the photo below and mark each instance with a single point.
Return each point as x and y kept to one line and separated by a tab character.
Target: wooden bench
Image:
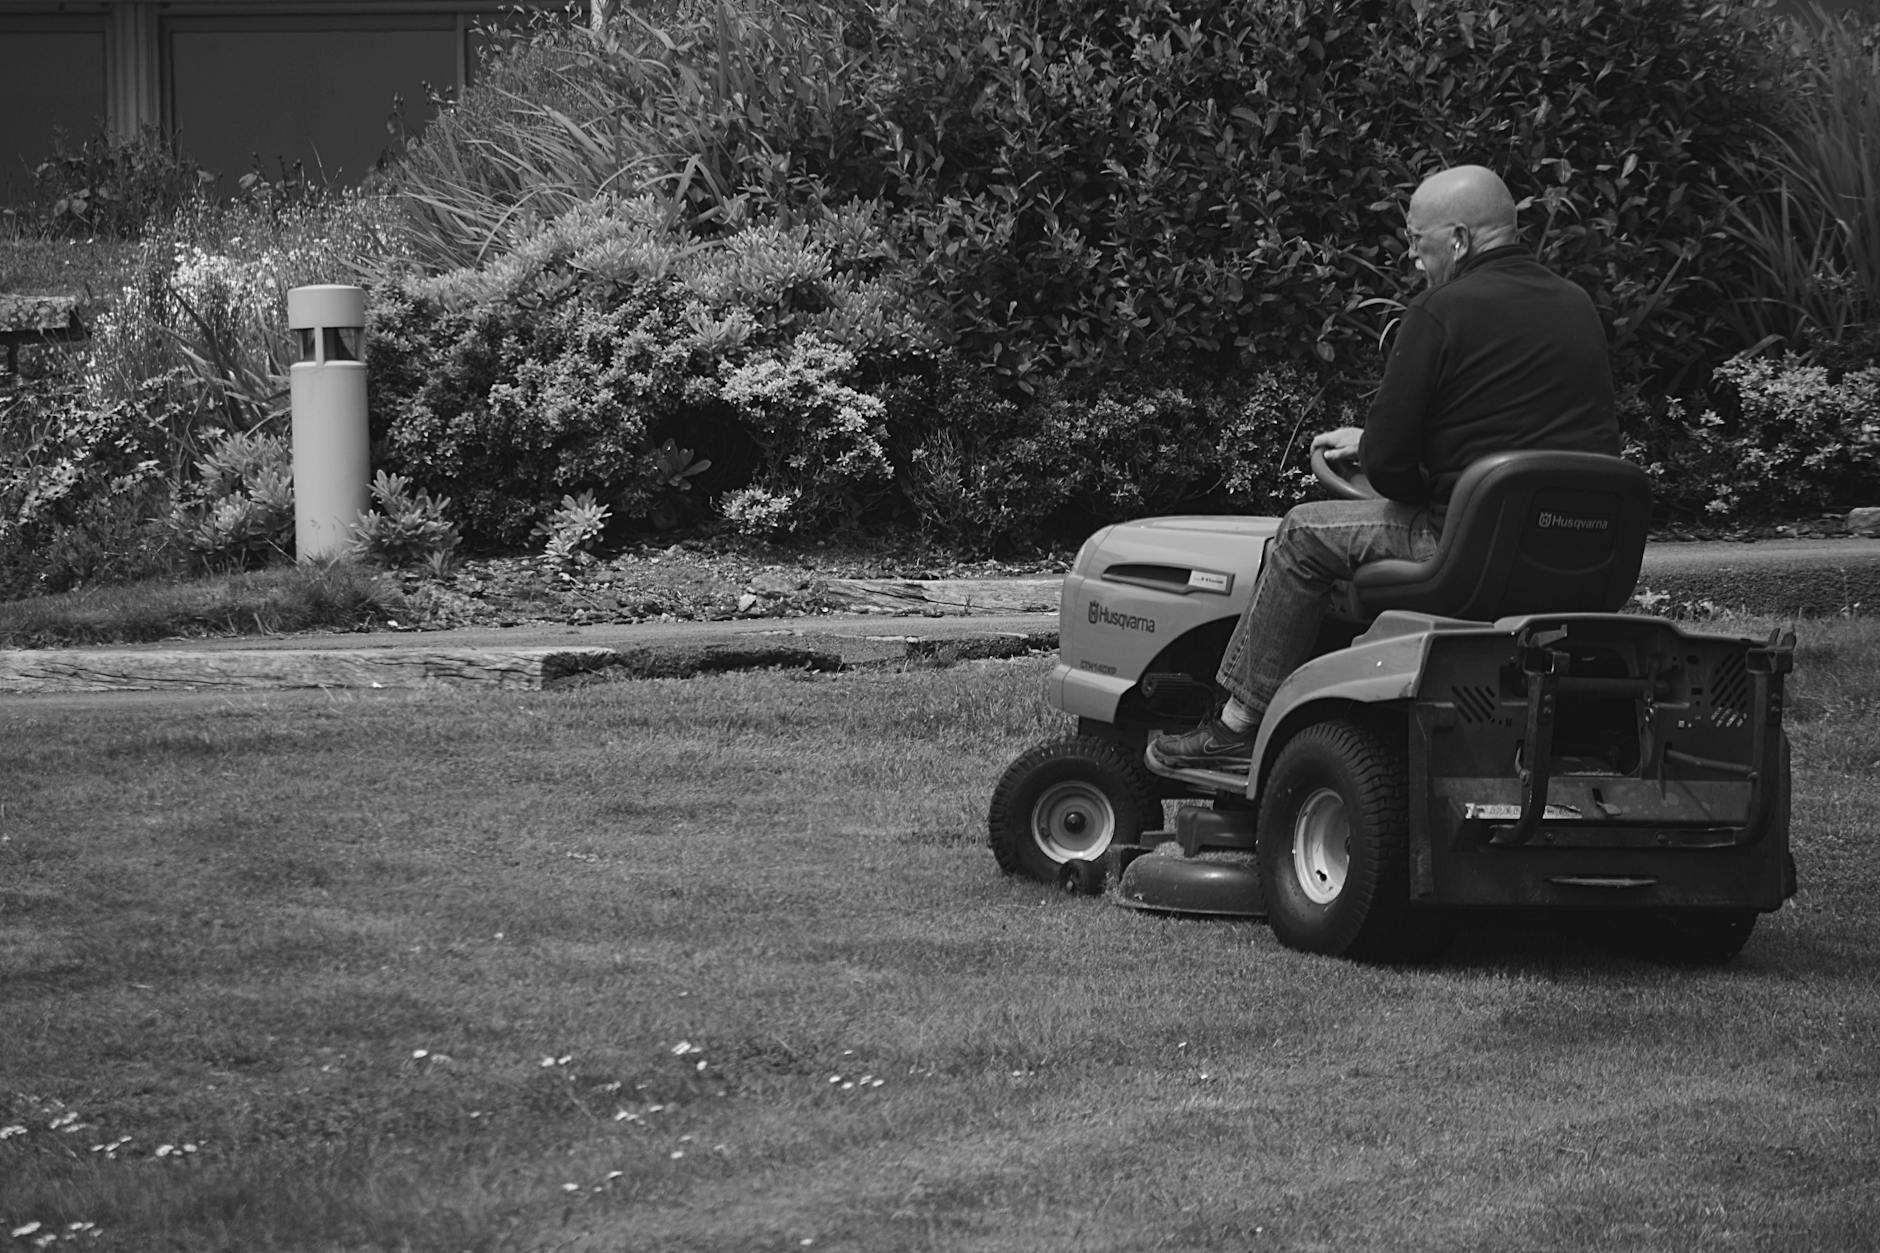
37	319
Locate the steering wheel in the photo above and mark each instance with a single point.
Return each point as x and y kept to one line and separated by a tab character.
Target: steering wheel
1346	486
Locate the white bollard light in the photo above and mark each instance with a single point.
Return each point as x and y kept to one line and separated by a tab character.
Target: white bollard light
332	453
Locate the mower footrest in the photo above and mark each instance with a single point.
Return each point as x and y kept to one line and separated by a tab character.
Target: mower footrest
1206	780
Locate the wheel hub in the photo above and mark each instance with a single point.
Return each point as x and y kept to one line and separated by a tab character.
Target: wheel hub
1321	846
1073	821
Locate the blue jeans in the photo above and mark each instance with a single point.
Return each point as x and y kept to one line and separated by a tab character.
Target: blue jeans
1317	544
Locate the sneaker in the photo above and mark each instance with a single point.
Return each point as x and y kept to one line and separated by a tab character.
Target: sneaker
1210	746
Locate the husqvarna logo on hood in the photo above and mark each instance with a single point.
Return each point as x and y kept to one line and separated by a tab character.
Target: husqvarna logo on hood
1102	615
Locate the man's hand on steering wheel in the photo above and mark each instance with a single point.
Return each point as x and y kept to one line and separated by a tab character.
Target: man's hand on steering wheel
1339	446
1335	463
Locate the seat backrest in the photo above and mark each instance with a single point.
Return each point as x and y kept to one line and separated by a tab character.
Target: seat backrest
1526	532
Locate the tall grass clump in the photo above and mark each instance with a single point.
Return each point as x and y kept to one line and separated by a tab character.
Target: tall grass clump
1813	236
706	110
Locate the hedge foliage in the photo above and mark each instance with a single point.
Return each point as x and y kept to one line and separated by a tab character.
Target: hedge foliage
1121	222
1087	187
1002	270
584	359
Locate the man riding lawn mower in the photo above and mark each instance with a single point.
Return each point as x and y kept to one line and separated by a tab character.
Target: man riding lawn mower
1432	703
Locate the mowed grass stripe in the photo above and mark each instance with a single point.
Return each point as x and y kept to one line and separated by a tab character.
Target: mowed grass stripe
722	964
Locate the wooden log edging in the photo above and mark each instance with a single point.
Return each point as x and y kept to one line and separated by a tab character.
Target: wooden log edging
41	670
47	670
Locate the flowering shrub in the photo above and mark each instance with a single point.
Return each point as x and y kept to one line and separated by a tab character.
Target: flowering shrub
1784	437
1800	438
571	363
755	511
514	404
204	309
822	440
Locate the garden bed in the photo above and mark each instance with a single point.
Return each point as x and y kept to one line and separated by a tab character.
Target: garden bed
695	580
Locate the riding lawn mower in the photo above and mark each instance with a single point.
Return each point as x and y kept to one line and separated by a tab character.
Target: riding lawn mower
1482	733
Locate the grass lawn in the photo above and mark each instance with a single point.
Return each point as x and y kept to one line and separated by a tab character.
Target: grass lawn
723	964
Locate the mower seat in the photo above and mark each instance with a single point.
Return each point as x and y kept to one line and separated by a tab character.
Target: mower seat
1526	532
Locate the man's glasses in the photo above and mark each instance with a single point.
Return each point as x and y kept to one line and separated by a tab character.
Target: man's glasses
1411	234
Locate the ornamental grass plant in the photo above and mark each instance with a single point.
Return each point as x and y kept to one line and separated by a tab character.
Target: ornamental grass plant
1813	236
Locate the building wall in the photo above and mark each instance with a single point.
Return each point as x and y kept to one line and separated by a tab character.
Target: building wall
52	75
267	91
241	83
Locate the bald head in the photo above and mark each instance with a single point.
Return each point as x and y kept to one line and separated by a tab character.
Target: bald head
1460	211
1470	196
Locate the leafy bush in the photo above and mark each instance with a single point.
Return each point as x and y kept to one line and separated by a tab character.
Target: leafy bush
821	439
187	357
78	488
572	364
1092	186
110	186
572	530
1095	191
407	528
1787	437
984	471
516	402
238	512
1138	180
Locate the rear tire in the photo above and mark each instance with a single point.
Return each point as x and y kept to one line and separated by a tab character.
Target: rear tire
1334	845
1069	800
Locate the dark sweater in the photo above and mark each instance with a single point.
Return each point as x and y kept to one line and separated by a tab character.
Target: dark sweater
1506	355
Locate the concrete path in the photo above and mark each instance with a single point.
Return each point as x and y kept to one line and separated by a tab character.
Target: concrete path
915	623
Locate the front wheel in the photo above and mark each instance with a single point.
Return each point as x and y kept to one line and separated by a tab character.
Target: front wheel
1068	801
1334	844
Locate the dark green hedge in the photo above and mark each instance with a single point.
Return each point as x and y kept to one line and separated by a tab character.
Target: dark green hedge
1150	240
